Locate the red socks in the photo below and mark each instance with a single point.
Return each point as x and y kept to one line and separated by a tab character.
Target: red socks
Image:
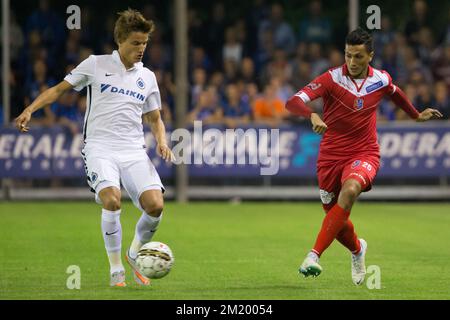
334	222
348	237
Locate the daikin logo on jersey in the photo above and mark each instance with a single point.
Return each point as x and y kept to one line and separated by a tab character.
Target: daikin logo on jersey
113	89
227	147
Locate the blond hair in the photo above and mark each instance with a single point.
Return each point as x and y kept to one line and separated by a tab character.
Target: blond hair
131	21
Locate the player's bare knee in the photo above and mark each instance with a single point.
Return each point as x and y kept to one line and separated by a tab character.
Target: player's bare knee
112	203
352	189
152	202
352	192
348	196
154	210
111	200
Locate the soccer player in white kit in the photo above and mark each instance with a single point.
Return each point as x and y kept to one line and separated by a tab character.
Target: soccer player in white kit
120	93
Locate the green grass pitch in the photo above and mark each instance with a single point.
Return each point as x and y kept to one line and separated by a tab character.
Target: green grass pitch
226	251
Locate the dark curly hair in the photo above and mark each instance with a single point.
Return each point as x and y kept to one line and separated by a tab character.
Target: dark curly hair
360	36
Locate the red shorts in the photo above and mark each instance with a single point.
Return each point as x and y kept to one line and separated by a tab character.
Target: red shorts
333	174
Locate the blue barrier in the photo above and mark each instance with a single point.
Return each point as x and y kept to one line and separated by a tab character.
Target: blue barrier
411	150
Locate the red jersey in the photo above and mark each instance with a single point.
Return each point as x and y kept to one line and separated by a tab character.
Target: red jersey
350	111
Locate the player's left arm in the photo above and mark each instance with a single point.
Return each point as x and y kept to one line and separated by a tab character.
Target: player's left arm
153	118
401	100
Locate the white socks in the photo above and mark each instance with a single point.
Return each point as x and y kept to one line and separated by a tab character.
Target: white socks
145	228
112	234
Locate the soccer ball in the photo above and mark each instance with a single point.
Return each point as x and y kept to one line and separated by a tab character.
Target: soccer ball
155	259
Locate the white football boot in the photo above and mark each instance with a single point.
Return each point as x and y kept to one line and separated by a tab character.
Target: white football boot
359	264
118	279
310	266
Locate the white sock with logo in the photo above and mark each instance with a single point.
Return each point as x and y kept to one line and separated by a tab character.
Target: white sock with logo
145	229
112	235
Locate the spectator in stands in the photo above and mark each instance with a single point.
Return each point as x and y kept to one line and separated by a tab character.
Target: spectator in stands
236	112
389	59
241	30
85	52
217	80
199	59
16	93
247	70
88	36
206	110
441	65
250	52
425	45
33	50
282	87
198	85
72	55
158	57
301	74
67	113
386	111
45	116
283	34
315	27
37	80
419	19
269	109
260	12
266	48
166	91
425	96
442	99
106	36
318	63
214	33
250	93
278	67
107	48
50	26
412	94
446	35
230	70
16	38
335	58
301	69
413	67
196	29
383	36
232	48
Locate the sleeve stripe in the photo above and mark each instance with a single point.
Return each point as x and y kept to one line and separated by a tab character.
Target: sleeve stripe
302	95
395	88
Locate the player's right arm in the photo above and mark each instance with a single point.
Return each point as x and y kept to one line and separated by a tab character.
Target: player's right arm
45	98
297	104
401	100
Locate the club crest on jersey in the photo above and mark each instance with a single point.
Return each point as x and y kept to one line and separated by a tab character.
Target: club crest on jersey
140	83
314	86
356	163
94	177
359	103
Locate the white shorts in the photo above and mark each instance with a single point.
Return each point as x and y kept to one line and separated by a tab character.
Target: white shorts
111	168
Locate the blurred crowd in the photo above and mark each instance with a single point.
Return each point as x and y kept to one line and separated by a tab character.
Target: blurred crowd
241	71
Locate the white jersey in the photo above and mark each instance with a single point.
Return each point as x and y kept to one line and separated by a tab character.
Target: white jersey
116	100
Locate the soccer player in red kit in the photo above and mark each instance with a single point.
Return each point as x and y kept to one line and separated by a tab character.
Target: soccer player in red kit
349	152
